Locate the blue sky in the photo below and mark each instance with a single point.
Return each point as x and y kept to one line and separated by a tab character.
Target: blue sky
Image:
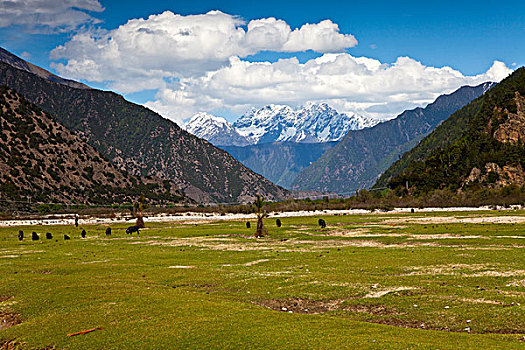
467	36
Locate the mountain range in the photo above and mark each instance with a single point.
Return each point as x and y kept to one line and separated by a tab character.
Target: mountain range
314	123
40	160
277	141
362	156
480	146
138	140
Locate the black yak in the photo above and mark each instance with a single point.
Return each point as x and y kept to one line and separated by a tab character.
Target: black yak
34	236
108	231
248	225
20	235
322	223
83	233
49	235
66	237
278	222
132	229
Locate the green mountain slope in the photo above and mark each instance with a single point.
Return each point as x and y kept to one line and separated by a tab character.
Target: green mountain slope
279	162
142	142
42	160
361	156
481	145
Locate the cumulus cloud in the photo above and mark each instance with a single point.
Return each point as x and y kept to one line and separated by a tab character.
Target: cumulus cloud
351	84
48	15
170	46
199	63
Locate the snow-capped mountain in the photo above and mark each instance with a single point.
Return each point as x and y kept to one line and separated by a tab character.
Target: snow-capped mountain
216	130
313	123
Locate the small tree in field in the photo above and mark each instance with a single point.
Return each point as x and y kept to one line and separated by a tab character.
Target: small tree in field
261	214
137	210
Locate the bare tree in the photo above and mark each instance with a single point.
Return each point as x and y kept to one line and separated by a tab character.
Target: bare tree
261	214
137	210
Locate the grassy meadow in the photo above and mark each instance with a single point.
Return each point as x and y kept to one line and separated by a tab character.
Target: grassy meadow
447	280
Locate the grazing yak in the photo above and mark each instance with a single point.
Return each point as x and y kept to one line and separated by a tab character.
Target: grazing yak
278	222
132	229
20	235
83	233
49	235
34	236
322	223
248	225
66	237
108	231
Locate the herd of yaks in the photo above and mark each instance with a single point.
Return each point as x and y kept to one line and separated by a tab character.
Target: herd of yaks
130	230
35	237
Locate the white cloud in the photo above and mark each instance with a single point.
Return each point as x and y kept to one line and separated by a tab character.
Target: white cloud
169	45
321	37
48	15
198	63
350	84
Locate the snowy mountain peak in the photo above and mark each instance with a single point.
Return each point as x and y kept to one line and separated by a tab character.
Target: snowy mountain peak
315	122
203	119
216	130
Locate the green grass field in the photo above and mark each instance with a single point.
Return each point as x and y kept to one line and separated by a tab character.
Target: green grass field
379	281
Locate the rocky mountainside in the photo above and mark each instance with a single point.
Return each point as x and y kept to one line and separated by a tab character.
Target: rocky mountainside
42	160
313	123
481	145
216	130
142	142
361	156
279	162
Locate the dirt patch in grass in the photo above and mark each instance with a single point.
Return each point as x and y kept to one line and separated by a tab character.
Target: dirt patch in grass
302	306
11	345
517	283
459	220
4	298
484	301
9	319
383	292
491	273
372	309
249	263
449	269
291	245
362	233
444	236
308	306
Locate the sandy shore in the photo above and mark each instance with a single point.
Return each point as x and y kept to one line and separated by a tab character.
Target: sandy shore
68	219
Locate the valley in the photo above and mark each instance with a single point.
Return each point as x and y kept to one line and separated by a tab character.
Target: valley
425	280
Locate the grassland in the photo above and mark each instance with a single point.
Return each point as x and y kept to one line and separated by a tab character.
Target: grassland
422	281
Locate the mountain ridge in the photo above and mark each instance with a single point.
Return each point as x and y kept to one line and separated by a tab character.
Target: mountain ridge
141	142
485	152
40	160
361	156
314	123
